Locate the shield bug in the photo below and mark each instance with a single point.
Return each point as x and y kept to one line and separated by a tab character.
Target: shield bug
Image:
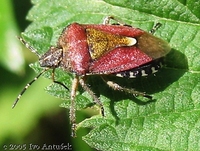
102	49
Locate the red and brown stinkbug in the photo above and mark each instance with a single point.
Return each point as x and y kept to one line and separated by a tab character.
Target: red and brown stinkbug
103	49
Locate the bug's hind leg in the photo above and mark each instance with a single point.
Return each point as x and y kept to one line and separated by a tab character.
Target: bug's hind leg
116	86
155	27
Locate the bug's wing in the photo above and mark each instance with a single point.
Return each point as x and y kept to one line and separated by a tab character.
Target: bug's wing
119	59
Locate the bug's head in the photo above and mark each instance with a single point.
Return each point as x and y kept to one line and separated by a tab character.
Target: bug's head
51	58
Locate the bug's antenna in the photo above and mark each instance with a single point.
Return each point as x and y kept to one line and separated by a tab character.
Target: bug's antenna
27	86
28	46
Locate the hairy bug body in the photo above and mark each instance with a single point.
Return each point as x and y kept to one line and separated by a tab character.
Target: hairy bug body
105	49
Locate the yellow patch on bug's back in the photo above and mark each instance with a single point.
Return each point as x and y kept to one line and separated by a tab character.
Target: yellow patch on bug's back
100	42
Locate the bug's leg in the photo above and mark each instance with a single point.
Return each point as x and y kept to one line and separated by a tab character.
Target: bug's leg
116	86
107	19
53	79
155	27
95	98
72	114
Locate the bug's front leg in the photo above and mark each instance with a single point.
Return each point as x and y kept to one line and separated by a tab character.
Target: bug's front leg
107	19
72	112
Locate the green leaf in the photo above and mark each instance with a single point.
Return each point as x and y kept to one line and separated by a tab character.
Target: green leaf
171	120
